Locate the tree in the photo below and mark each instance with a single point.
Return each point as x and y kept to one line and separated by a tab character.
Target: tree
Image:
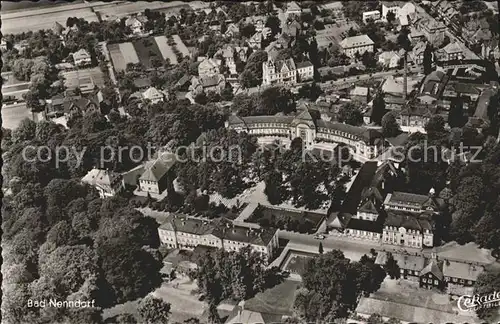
274	24
435	127
24	132
391	16
427	62
456	114
487	283
213	314
310	91
375	319
154	310
378	109
320	248
390	127
391	267
350	114
393	320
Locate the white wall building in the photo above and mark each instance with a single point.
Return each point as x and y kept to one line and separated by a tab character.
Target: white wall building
106	182
373	15
82	58
357	44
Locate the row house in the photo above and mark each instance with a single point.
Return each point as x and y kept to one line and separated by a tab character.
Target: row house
187	232
357	44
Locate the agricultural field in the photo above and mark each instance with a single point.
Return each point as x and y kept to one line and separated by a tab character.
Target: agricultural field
114	11
144	51
166	50
19	22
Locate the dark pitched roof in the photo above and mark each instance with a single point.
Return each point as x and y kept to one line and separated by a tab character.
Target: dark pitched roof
407	220
433	267
156	169
362	180
365	225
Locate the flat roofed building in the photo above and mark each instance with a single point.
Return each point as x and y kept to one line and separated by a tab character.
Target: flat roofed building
357	44
371	15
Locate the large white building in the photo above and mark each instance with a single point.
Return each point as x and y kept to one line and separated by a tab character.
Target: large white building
357	44
186	232
315	133
401	9
286	72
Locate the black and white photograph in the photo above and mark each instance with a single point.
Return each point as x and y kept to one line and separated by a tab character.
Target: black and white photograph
250	162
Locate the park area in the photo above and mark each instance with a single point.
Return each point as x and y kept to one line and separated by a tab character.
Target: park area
150	52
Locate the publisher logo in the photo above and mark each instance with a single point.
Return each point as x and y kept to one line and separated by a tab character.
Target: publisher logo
468	303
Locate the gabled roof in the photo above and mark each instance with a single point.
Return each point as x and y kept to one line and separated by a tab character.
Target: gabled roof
355	41
452	48
81	53
152	93
101	178
368	207
461	270
434	268
156	169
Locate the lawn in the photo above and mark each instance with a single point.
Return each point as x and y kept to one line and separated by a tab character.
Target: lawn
146	49
276	300
117	57
165	49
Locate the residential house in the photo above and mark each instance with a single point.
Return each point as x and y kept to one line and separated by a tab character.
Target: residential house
292	28
259	22
136	24
459	273
185	232
153	95
389	59
79	106
107	183
158	175
305	71
82	58
285	40
410	266
255	41
371	15
416	115
433	87
282	72
431	277
359	94
209	66
232	31
481	119
356	44
453	51
208	83
293	8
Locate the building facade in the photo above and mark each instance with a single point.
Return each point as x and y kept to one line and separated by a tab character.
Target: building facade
186	232
357	44
107	183
314	132
371	15
286	72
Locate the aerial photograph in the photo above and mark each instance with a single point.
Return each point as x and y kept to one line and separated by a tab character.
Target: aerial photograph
250	162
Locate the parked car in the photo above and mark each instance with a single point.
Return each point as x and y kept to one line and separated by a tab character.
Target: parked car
319	237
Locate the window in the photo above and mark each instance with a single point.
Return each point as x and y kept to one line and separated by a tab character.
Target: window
436	282
424	280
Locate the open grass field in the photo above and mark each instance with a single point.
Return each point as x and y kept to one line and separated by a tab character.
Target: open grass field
142	51
146	49
128	52
119	10
165	49
17	24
